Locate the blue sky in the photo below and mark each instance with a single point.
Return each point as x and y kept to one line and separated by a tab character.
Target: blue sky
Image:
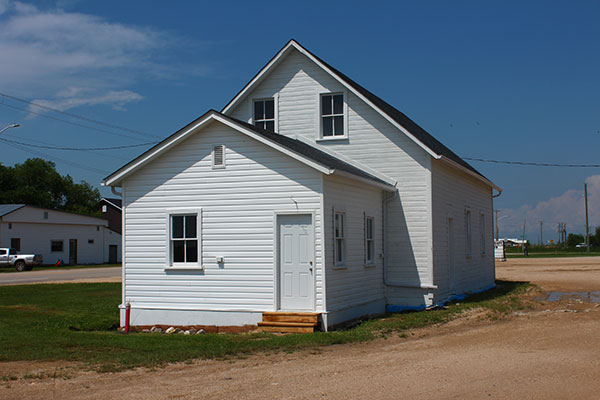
496	80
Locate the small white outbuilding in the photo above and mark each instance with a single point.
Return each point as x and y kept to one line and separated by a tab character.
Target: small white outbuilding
306	194
58	235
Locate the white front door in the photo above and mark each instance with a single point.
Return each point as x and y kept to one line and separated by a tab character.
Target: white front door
295	262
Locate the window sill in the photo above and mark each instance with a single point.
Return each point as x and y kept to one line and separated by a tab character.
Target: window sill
332	138
185	268
372	265
340	266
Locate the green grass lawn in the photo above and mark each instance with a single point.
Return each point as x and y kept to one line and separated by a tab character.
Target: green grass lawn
52	267
77	322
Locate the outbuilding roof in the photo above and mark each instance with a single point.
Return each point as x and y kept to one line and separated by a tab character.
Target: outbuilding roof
8	208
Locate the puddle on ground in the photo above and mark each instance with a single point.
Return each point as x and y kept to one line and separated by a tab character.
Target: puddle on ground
591	297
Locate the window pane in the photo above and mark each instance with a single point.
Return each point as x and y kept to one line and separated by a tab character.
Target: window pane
177	226
326	105
341	225
190	226
339	126
369	251
339	250
270	126
191	251
258	110
337	225
338	104
270	109
178	251
327	126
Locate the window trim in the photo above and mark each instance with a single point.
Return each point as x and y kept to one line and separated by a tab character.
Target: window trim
62	246
342	262
320	136
275	99
468	232
482	241
369	262
169	264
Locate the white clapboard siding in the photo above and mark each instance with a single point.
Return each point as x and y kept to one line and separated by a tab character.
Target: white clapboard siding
36	233
373	142
355	283
453	192
237	203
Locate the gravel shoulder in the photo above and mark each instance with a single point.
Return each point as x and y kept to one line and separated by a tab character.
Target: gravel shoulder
549	352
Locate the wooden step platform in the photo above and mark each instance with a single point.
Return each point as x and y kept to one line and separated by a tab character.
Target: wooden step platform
289	322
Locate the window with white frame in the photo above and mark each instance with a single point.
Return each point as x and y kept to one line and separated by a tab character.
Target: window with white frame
218	156
332	115
468	239
183	239
340	243
482	232
264	114
369	240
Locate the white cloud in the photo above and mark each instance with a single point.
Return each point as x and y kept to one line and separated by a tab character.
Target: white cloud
568	207
46	51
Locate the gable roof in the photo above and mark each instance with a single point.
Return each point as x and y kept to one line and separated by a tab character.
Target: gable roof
297	149
419	135
117	203
8	208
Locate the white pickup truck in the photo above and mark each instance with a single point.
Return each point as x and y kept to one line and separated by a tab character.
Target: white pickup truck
22	262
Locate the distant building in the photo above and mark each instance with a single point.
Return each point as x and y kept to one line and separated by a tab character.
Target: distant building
58	235
111	211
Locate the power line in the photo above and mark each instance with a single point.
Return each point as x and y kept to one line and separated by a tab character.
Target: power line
534	163
106	124
71	163
78	148
69	122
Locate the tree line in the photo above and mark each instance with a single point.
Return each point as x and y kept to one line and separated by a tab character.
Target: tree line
37	183
573	239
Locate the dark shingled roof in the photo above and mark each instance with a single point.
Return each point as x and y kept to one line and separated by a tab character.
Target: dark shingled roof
308	151
421	134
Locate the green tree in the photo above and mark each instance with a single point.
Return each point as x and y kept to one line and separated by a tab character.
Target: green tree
37	183
595	238
574	239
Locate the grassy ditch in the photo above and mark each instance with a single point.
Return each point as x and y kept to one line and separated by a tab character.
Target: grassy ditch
77	322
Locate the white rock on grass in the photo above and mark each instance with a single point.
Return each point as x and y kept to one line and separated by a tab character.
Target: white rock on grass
201	332
171	330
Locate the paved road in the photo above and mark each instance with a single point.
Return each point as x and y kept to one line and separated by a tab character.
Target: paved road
108	274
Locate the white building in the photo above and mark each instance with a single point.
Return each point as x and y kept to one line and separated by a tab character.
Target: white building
348	209
58	235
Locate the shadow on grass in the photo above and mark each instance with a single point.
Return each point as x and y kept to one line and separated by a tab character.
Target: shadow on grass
76	322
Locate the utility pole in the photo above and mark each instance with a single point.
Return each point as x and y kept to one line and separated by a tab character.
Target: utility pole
497	237
587	227
524	222
541	235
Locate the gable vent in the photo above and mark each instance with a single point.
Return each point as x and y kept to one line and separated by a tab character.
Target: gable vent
219	156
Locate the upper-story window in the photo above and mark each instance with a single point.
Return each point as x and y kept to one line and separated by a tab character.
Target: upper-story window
264	114
332	115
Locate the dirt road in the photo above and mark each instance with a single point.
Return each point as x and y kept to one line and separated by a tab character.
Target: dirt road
103	274
550	353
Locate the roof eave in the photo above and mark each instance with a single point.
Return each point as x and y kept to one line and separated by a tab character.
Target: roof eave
380	185
473	174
